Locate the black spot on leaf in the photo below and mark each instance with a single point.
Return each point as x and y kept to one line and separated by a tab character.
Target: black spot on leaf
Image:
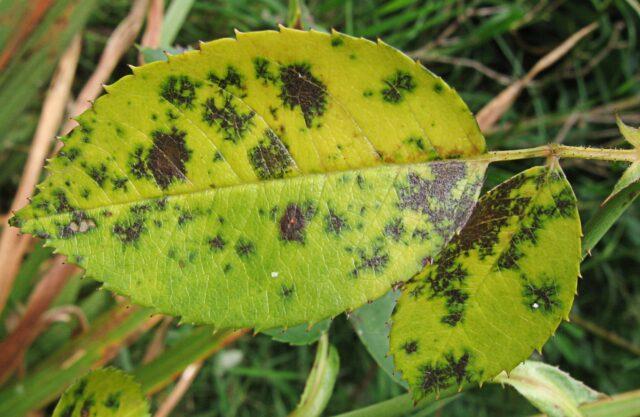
129	230
374	260
335	223
270	158
136	163
442	375
262	70
396	86
394	229
61	203
232	78
217	243
410	347
113	401
286	290
179	91
244	248
542	298
301	89
230	122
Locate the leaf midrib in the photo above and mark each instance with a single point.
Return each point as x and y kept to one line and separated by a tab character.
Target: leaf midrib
204	191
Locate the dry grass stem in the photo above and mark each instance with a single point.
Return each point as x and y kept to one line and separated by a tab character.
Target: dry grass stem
153	29
496	108
12	244
156	346
119	42
183	384
32	323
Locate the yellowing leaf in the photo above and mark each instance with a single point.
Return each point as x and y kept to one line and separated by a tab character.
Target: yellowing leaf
270	180
103	393
548	388
631	134
497	291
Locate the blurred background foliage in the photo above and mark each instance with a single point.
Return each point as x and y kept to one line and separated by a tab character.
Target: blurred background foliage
478	47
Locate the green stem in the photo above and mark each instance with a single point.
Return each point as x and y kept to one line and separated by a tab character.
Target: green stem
320	382
561	151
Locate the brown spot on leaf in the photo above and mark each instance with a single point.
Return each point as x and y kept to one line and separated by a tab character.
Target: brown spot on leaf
292	224
168	156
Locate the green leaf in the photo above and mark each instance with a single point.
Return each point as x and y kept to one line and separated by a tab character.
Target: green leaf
320	382
549	389
371	323
630	177
174	18
497	291
300	335
103	393
277	179
607	215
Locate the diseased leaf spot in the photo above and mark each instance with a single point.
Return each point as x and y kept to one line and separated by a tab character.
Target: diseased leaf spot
433	196
442	375
543	298
244	248
70	153
137	165
416	141
119	183
395	229
301	89
184	218
61	203
396	86
179	91
168	156
335	223
233	78
410	347
113	401
270	158
261	67
229	121
98	174
337	41
292	224
286	290
217	243
375	260
129	231
88	404
80	223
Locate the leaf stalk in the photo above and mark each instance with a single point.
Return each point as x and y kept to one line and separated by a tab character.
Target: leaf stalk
554	150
